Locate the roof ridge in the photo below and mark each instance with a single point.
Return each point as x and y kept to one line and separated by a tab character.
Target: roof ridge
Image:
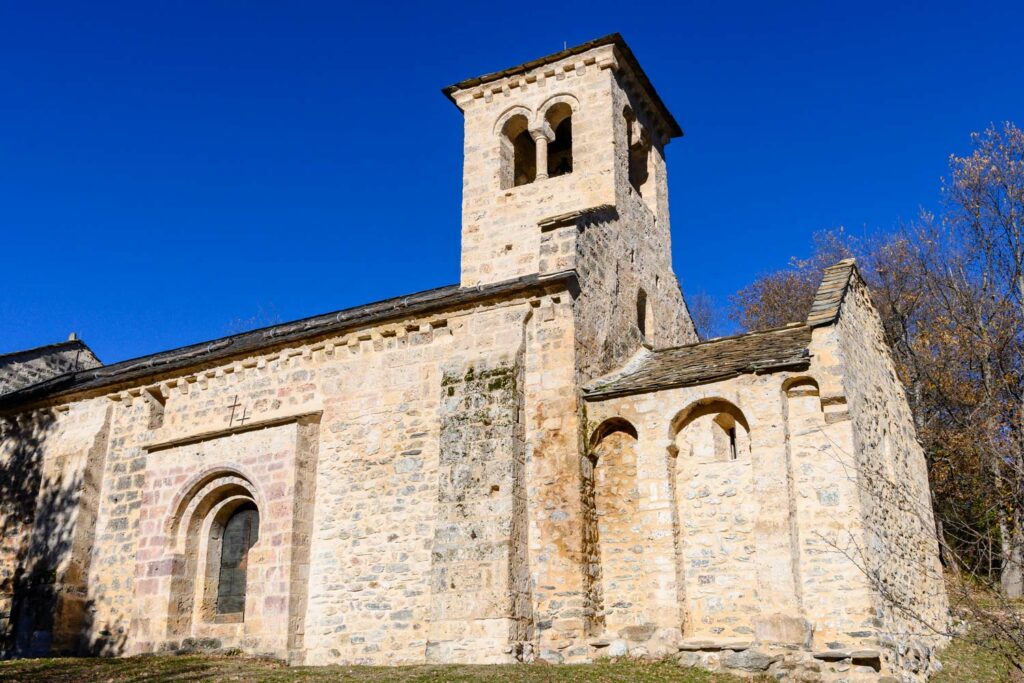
66	342
251	341
715	340
835	282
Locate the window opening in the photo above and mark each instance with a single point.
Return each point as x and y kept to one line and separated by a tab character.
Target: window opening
240	534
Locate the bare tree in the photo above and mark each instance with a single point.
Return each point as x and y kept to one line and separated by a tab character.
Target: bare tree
704	314
984	220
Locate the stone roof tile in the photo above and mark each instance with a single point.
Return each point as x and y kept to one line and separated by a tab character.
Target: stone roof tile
719	359
708	361
255	341
834	283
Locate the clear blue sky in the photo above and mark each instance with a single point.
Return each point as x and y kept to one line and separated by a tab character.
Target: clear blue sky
170	169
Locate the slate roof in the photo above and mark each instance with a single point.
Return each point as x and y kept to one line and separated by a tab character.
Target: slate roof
719	359
420	303
78	344
834	284
700	363
709	361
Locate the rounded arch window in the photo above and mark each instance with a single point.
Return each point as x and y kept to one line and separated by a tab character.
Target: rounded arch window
559	117
240	532
518	153
214	525
712	431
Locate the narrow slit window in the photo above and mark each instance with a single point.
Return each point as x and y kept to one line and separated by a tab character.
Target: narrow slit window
638	150
644	315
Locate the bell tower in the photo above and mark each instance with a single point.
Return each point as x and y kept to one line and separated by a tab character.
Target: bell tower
576	131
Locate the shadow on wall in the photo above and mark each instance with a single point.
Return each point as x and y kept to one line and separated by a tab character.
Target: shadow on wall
44	607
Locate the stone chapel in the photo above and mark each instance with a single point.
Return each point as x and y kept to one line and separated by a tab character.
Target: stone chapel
541	462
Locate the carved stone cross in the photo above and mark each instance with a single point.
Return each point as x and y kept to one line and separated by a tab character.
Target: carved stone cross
234	404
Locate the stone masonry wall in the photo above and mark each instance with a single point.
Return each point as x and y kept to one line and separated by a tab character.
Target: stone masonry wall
716	535
500	237
173	590
480	530
366	493
746	561
47	518
371	598
899	550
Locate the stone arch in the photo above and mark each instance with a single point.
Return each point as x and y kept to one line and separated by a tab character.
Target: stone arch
641	169
713	429
517	148
514	110
199	516
562	98
201	487
619	539
800	381
611	426
558	119
801	386
638	144
713	479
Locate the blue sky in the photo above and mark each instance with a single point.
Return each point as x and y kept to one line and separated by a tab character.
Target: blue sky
171	172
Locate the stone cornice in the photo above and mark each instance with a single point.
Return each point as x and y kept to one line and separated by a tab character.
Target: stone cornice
139	371
608	52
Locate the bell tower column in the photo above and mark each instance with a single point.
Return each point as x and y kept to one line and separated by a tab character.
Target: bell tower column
540	138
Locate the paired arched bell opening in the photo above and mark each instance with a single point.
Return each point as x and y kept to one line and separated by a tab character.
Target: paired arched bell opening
214	531
559	120
536	146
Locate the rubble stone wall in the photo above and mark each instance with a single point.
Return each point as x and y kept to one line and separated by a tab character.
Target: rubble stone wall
339	442
900	548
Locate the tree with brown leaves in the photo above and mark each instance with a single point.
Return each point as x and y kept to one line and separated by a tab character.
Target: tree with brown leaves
950	289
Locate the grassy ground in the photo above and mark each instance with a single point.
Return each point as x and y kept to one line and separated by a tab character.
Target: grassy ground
973	658
212	668
983	653
964	661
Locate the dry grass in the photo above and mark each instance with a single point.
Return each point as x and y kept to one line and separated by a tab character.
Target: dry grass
150	669
984	653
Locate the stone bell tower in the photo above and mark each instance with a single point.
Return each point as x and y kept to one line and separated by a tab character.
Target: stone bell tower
576	131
